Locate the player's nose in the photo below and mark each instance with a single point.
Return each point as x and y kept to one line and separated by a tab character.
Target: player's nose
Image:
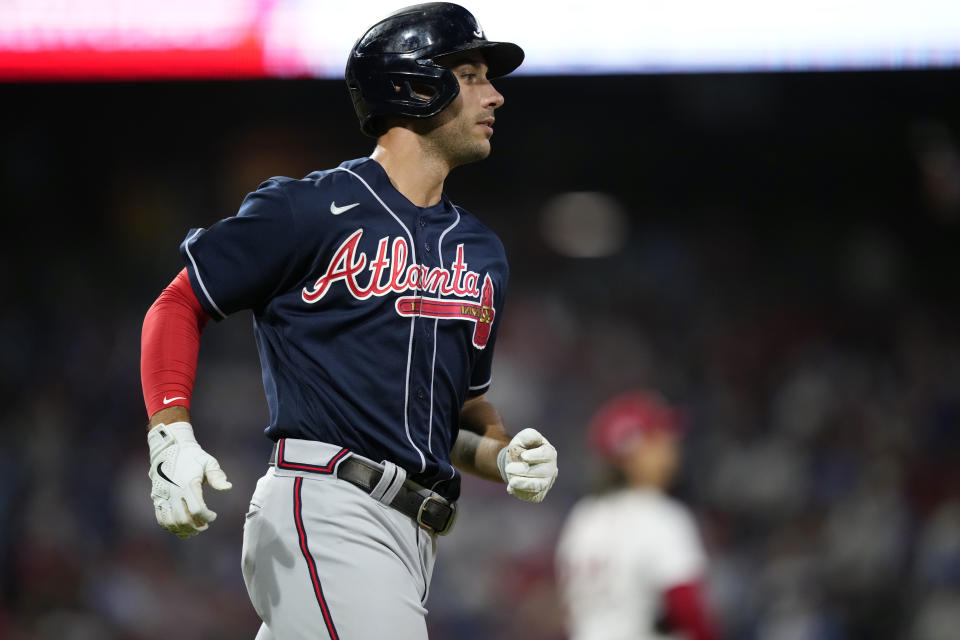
494	100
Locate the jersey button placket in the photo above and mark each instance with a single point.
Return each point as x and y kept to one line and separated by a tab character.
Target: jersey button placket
422	234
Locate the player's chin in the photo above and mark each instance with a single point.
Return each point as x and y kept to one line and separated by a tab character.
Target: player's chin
480	135
482	148
481	153
475	152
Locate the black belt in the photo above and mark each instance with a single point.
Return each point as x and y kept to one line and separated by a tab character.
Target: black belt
430	510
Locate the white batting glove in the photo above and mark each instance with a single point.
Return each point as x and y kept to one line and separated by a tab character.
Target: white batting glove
528	465
178	467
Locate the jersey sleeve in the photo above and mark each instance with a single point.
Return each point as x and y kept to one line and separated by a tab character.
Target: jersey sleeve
240	261
680	557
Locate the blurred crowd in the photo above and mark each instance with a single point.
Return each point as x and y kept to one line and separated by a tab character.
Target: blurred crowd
817	356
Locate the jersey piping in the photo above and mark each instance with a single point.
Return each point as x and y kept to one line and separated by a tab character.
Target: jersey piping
196	270
481	386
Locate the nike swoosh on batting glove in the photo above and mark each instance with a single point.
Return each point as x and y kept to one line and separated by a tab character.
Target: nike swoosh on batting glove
178	467
528	465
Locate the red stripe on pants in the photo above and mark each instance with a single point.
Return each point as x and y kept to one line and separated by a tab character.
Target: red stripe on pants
314	578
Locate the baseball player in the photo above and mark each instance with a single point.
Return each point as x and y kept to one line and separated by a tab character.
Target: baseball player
376	305
630	563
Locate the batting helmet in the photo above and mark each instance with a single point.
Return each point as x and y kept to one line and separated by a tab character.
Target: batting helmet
394	69
629	417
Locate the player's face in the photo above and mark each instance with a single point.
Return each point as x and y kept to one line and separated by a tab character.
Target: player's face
654	459
462	131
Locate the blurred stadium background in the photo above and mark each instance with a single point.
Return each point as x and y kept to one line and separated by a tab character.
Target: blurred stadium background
774	248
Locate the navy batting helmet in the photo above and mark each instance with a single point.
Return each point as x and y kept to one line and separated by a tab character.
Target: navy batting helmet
394	69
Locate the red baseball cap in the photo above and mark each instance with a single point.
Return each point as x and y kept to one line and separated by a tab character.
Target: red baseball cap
628	417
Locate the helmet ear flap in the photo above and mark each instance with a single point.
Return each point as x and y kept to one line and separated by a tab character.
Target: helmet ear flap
404	94
419	94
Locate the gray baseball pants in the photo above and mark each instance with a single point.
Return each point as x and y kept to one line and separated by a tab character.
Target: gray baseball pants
322	559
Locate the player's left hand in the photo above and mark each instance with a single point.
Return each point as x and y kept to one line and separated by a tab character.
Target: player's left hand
528	465
178	467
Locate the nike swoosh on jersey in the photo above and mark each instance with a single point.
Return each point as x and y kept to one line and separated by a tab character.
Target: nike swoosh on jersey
164	476
335	210
479	34
169	400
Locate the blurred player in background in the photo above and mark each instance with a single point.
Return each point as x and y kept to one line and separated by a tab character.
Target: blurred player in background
630	562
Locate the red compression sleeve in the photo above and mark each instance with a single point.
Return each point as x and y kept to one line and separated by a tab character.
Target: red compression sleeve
687	612
169	346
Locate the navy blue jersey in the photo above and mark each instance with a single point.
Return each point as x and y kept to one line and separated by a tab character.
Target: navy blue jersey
375	319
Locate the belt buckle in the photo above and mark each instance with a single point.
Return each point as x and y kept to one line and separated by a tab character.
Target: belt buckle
453	516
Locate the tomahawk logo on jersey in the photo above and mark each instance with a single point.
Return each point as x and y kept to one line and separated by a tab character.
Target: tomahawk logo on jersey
339	267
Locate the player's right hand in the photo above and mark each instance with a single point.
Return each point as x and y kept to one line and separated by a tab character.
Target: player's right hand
178	467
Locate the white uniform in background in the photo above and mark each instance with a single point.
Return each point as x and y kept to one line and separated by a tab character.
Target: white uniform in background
618	555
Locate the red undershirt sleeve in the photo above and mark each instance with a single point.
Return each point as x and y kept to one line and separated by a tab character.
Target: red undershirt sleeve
687	612
169	345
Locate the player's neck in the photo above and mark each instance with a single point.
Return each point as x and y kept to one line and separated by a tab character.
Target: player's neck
413	170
